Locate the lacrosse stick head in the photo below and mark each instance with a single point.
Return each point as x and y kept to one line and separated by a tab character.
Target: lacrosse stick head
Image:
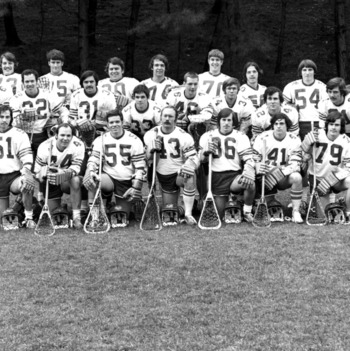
276	211
87	134
151	218
97	221
170	215
44	83
60	217
335	213
119	216
261	215
209	218
315	213
45	226
233	212
137	208
26	120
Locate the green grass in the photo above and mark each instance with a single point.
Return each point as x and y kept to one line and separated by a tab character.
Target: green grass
239	288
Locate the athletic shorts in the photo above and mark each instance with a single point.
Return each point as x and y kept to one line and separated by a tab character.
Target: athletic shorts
221	182
120	186
6	180
168	182
305	127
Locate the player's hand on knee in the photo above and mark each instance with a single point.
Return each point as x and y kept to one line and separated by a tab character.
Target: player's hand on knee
27	180
131	194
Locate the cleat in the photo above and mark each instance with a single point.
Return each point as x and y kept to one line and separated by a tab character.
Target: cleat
77	223
29	223
248	217
190	220
296	218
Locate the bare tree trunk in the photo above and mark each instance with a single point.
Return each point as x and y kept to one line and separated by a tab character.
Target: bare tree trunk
92	21
83	34
281	36
12	38
340	32
131	41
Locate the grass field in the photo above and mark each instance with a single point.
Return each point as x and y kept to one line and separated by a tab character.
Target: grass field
238	288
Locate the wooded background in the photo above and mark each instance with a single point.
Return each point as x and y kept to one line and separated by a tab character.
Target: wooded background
277	34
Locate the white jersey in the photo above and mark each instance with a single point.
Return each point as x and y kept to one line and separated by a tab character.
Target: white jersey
124	86
12	82
140	122
15	151
305	97
45	103
261	120
177	147
5	95
71	157
84	106
233	149
122	157
255	95
62	85
326	106
158	92
330	154
280	153
212	85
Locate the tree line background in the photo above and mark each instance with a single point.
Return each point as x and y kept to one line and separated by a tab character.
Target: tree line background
277	34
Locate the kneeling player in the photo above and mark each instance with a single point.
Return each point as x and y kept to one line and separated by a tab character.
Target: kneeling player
60	159
230	149
176	166
122	171
15	175
282	169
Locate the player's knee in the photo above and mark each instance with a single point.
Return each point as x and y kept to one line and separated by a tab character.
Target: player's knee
296	178
75	183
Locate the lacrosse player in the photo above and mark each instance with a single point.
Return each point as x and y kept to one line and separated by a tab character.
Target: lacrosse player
240	106
177	163
332	163
282	167
67	154
123	168
159	85
252	89
210	82
141	114
58	81
230	149
261	119
15	168
9	79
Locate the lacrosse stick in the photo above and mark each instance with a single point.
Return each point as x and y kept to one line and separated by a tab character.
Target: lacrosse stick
209	218
261	216
315	213
97	221
45	226
151	218
26	121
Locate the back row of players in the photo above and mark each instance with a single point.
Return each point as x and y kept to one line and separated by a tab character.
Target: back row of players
237	118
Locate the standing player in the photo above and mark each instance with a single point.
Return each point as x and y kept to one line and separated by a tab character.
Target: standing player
305	94
332	158
141	114
283	156
177	162
261	119
123	167
211	82
63	171
116	82
252	89
15	166
240	106
57	81
231	149
159	85
9	79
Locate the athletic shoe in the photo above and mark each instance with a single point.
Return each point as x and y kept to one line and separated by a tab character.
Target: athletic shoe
248	217
77	223
296	218
190	220
29	223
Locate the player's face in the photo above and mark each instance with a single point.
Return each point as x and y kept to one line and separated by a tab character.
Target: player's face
56	67
252	75
64	137
273	103
168	119
141	101
215	64
226	125
89	85
335	96
191	86
158	68
280	129
115	126
231	92
5	121
30	85
8	67
334	129
308	74
115	72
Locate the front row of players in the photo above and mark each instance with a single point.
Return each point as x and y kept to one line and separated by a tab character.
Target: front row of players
237	167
